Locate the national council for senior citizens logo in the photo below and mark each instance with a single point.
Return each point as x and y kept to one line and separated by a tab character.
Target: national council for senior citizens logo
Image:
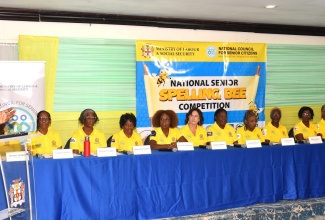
23	120
211	51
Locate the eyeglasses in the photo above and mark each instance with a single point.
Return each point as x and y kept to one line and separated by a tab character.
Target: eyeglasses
275	114
305	114
91	118
44	118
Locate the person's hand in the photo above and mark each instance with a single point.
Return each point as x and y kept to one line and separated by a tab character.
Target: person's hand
173	145
5	115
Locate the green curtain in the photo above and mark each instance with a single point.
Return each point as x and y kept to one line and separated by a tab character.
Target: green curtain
98	73
295	78
295	75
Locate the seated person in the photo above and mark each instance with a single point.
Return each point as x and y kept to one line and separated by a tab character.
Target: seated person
48	140
274	131
220	130
88	118
8	146
305	128
193	130
165	133
127	137
321	124
249	131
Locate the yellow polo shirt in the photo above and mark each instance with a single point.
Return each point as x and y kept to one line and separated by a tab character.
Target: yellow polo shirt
45	144
244	135
228	134
275	134
200	137
321	127
158	135
124	143
306	132
97	139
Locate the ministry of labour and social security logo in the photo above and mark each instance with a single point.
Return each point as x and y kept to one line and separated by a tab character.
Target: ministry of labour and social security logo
211	51
23	120
147	50
17	193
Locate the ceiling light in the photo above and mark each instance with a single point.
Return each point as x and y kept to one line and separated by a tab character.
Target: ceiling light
270	6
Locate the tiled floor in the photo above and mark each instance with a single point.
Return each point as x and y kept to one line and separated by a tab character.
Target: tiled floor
310	209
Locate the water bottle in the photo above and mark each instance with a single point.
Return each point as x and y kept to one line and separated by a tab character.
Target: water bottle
86	147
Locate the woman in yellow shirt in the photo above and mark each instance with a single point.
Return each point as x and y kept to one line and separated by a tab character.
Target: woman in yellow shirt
274	131
305	128
88	118
48	140
165	133
249	131
127	137
221	130
193	130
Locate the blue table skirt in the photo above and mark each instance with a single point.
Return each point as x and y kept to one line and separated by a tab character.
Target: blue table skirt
166	184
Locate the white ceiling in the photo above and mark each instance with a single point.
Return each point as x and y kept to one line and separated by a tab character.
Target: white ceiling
287	12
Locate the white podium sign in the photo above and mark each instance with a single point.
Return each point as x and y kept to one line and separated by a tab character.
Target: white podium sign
253	143
287	141
62	154
16	156
315	140
184	146
218	145
138	150
106	152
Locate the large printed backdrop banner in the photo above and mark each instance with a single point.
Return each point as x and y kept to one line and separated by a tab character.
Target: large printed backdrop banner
22	87
206	75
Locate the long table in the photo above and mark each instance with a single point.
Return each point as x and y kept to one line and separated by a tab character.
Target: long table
166	184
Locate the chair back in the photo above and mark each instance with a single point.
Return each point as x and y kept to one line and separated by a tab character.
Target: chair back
147	140
109	141
67	145
291	134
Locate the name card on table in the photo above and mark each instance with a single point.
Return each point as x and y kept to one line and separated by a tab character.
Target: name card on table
16	156
145	149
218	145
253	143
62	154
106	152
287	141
315	140
184	146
